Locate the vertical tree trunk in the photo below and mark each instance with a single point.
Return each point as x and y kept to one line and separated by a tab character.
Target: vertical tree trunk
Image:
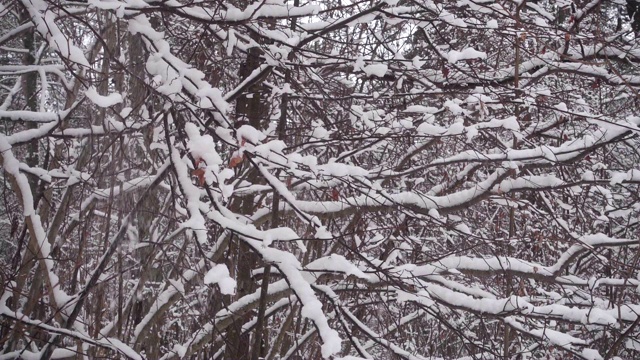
29	87
249	110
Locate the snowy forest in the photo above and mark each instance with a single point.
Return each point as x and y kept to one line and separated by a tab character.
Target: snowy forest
320	179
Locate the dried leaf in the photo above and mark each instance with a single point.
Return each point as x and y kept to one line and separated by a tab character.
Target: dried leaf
235	161
199	173
335	195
